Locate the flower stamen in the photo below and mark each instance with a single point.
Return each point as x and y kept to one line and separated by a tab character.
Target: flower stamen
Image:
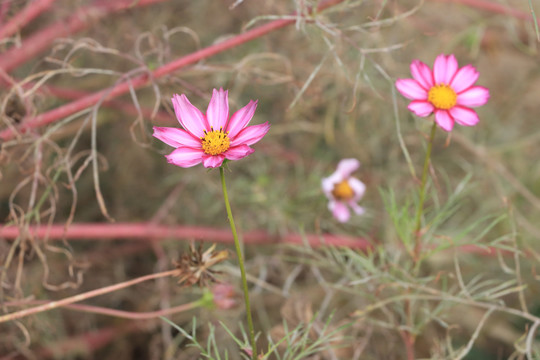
442	97
343	191
215	142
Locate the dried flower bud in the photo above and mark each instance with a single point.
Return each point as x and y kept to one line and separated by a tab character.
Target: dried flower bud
224	296
195	267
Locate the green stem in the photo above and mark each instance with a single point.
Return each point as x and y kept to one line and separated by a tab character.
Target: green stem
420	209
241	264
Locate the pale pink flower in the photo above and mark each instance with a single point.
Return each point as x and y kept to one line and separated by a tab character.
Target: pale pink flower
344	191
447	91
224	296
213	137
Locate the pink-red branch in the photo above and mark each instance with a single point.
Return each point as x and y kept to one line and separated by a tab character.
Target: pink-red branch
147	231
82	19
29	13
494	8
4	8
137	82
72	94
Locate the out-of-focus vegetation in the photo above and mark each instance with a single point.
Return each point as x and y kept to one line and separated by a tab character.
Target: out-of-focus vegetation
326	85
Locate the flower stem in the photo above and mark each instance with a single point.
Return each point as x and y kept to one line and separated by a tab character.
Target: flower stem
80	297
420	209
241	265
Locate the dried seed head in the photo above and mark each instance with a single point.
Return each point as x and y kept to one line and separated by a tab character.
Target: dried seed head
195	267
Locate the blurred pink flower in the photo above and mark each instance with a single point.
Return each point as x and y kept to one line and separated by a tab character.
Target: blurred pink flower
224	296
341	190
447	91
213	137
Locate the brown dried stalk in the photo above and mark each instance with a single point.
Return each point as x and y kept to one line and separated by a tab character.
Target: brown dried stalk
83	296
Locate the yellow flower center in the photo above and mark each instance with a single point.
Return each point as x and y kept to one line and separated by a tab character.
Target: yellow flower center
442	97
215	142
343	191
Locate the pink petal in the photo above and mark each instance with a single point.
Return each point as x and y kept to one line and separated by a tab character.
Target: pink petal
176	137
189	116
444	69
329	183
347	166
464	78
241	118
185	157
464	116
213	161
421	108
475	96
356	208
451	68
358	187
444	120
422	74
339	210
439	69
250	135
411	89
238	152
217	113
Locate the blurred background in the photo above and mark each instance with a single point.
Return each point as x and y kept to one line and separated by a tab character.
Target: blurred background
325	83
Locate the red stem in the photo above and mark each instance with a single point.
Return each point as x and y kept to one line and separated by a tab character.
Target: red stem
30	12
145	231
83	18
493	7
142	80
408	341
74	94
128	108
4	8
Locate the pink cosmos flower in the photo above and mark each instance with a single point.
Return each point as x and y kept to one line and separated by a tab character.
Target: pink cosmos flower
447	91
213	137
341	190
